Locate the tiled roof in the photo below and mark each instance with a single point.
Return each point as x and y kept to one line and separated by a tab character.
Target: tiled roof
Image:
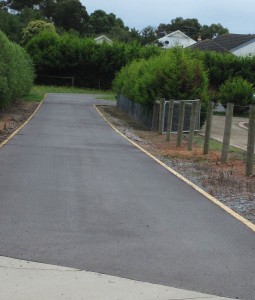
209	45
230	41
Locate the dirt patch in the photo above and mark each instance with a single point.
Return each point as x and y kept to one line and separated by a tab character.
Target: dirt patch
227	182
12	117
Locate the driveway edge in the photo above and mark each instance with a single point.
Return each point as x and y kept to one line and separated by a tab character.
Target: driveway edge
197	188
21	126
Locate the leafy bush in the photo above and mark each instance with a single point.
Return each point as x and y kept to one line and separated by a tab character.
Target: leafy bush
172	75
16	71
35	27
238	91
90	63
221	66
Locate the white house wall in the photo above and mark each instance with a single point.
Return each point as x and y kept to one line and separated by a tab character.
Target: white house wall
248	49
176	38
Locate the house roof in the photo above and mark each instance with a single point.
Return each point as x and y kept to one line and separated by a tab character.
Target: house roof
176	38
225	43
177	32
209	45
230	41
103	38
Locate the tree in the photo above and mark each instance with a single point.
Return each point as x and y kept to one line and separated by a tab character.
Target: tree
69	14
19	4
34	28
191	27
10	25
101	22
212	31
148	35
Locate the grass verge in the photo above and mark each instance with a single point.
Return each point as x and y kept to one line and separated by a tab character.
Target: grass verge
38	91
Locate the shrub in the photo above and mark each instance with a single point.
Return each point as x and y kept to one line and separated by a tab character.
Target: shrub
238	91
16	72
172	75
35	27
223	66
89	62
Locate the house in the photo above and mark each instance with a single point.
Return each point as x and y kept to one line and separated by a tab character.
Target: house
103	39
237	44
176	38
209	45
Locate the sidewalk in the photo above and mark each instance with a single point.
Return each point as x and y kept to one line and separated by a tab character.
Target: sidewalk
23	280
239	135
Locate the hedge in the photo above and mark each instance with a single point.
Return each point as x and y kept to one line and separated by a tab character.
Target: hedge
16	72
223	66
175	74
90	63
172	75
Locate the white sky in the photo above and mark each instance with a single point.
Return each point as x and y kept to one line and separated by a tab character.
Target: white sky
238	16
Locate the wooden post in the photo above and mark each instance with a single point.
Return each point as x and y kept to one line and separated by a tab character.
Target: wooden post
208	127
180	124
155	117
170	119
251	141
193	120
161	117
227	133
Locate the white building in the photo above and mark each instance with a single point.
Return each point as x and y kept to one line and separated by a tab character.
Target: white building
176	38
103	39
237	44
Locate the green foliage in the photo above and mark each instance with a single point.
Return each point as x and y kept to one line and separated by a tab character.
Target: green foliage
34	28
172	75
69	14
209	32
221	67
148	35
236	90
10	25
16	71
101	22
90	63
193	28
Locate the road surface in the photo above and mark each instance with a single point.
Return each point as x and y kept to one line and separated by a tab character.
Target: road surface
76	194
239	134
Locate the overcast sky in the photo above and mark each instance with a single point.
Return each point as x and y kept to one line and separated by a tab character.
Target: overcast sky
238	16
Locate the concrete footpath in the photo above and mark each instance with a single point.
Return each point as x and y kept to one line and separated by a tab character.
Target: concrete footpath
239	134
23	280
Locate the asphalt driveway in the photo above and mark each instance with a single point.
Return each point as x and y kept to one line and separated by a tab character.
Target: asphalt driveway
74	193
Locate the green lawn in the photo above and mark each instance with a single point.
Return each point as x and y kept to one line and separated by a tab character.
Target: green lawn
217	146
38	91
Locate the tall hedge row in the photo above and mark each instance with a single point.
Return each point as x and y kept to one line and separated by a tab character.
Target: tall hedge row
90	63
172	75
222	67
16	71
